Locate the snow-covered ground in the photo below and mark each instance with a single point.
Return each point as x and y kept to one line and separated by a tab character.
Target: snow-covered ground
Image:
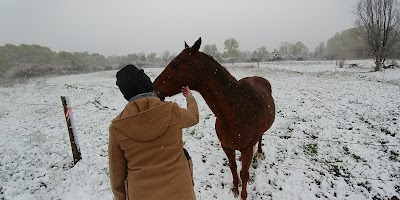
336	136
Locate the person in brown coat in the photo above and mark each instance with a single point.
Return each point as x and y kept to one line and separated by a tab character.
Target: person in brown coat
145	150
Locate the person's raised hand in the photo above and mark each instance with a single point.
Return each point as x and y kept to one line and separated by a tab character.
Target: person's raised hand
186	91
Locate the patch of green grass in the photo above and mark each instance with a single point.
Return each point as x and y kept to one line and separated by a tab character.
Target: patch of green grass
394	156
196	134
346	150
384	146
68	86
354	156
252	178
357	158
311	149
383	142
254	161
203	158
285	137
96	102
387	132
336	170
339	171
312	135
366	185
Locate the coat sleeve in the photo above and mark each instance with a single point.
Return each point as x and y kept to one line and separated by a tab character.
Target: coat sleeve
190	116
117	166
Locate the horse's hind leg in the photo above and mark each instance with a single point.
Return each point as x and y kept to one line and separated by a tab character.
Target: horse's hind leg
230	153
247	156
260	154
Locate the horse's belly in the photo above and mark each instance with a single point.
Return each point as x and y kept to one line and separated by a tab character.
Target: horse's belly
237	140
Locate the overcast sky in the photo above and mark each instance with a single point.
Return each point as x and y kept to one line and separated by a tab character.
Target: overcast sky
127	26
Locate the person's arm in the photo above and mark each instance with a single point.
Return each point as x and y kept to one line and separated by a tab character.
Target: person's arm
189	116
117	167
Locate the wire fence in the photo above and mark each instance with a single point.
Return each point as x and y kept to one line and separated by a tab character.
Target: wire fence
282	137
289	167
285	137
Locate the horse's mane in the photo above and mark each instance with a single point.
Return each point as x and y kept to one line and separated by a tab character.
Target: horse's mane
209	56
215	64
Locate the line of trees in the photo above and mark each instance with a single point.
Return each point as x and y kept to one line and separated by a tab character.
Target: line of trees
232	53
35	60
376	35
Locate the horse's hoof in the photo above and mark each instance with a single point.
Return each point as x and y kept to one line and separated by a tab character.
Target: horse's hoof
235	192
261	156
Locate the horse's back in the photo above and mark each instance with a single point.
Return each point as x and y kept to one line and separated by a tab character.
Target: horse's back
258	83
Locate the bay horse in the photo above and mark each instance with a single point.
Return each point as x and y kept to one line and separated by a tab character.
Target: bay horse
244	109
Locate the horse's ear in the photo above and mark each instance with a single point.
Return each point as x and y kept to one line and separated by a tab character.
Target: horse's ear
186	46
197	44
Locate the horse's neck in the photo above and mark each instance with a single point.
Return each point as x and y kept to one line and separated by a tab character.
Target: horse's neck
218	89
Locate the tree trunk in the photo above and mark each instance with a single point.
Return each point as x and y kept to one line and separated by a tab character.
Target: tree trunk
377	64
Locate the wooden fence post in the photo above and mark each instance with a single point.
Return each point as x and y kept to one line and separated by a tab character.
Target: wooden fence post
76	152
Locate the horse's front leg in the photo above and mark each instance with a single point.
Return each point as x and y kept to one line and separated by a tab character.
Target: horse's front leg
246	156
230	153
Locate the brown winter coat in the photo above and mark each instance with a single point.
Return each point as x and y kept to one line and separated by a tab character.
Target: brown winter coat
146	157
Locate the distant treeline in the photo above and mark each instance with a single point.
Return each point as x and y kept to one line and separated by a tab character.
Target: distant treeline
35	60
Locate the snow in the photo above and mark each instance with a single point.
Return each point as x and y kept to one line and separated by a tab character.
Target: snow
336	135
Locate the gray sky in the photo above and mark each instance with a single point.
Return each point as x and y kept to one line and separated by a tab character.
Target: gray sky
127	26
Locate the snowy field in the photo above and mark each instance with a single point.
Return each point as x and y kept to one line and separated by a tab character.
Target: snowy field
336	136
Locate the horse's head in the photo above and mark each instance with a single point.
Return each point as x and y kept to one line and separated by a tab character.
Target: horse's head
181	71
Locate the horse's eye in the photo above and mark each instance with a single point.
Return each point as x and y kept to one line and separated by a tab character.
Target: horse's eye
174	65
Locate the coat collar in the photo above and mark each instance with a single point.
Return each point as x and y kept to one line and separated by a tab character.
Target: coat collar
143	95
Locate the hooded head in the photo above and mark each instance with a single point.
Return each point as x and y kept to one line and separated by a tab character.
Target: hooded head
133	81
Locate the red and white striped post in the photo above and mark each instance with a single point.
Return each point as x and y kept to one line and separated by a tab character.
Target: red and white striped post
76	153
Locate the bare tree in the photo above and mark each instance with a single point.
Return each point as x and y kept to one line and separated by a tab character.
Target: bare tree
298	51
261	54
378	23
232	52
319	52
212	51
284	48
165	57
